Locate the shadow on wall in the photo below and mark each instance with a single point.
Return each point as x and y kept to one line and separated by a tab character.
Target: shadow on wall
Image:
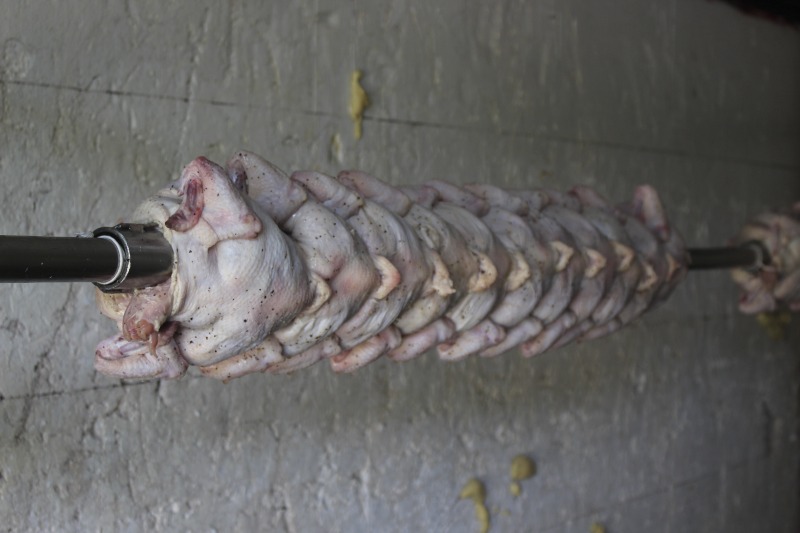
781	11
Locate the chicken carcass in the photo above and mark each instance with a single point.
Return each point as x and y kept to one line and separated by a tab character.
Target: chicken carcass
777	284
274	273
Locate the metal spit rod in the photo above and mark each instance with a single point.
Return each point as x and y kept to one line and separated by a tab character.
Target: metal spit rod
134	256
122	258
751	256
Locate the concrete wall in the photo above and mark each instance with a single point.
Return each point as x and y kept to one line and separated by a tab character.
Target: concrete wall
686	421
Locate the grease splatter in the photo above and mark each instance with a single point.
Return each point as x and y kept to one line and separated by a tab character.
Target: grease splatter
775	323
359	101
475	490
522	467
337	150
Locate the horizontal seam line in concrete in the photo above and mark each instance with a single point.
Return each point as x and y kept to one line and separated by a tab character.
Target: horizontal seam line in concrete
81	390
421	123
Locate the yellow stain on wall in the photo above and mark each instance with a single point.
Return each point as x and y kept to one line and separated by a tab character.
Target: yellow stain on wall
522	467
775	323
475	491
359	101
597	528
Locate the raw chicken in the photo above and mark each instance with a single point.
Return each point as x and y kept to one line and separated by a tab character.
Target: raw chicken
777	284
274	273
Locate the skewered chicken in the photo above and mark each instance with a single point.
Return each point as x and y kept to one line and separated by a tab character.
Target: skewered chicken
274	273
777	284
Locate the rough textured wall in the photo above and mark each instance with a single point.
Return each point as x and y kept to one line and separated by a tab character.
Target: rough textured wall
686	421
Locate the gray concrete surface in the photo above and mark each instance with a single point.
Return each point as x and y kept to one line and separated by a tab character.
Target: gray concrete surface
686	421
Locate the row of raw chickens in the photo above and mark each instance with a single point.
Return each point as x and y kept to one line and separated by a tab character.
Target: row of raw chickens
274	273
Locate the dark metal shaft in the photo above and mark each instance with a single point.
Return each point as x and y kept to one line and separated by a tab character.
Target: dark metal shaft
750	255
125	257
134	256
32	259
